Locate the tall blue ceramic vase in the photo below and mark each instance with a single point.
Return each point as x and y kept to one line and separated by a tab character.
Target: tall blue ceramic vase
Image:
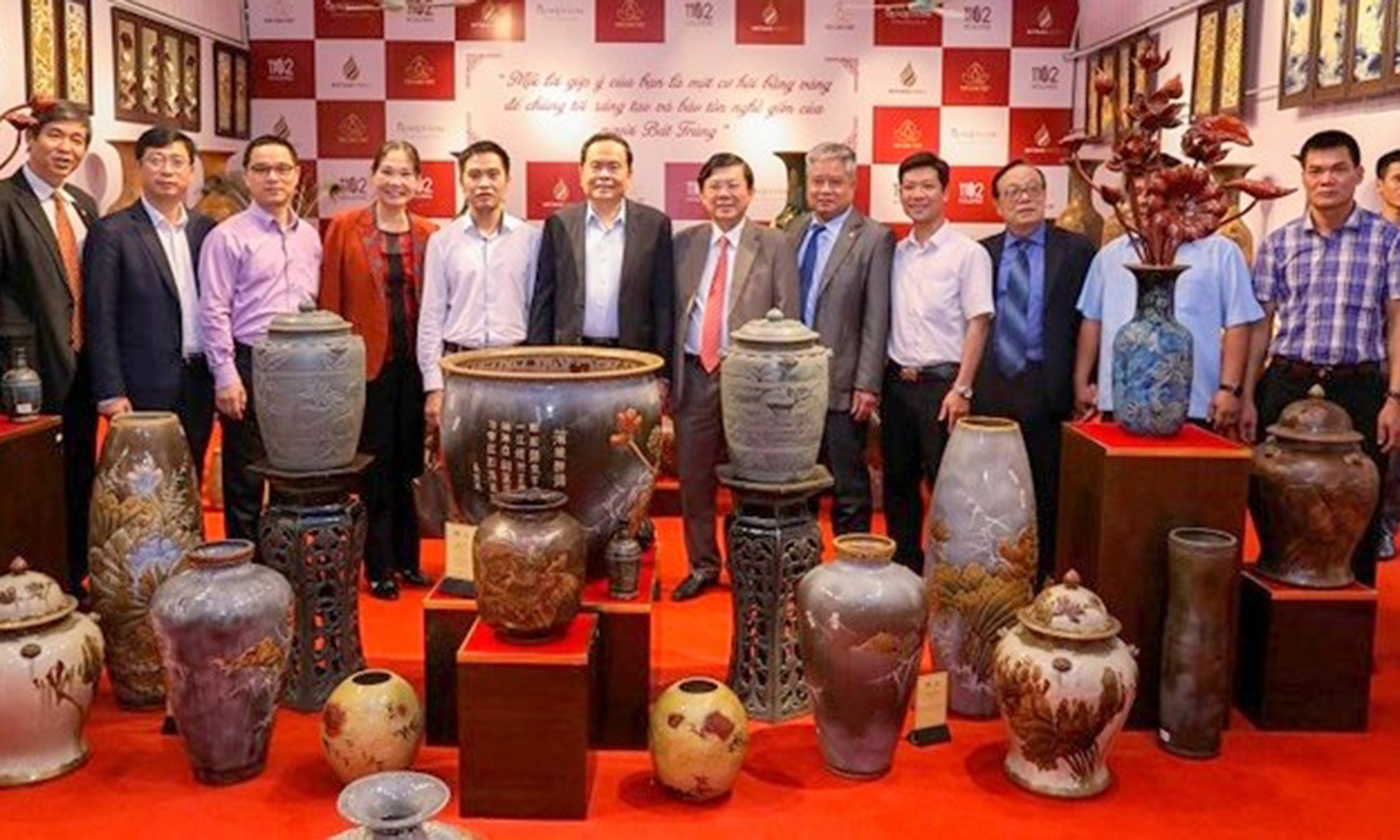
1152	358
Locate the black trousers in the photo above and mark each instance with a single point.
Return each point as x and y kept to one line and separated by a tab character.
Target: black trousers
243	491
843	451
194	405
393	433
79	413
1363	397
912	441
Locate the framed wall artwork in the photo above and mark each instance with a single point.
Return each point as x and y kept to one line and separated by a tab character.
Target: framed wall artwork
230	91
1218	80
1339	50
156	73
58	50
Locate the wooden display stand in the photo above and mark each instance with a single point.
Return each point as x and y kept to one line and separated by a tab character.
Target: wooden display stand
33	523
1305	655
1119	498
446	621
525	721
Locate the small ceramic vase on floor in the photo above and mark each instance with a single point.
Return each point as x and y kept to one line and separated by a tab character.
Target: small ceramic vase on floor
371	723
698	736
398	805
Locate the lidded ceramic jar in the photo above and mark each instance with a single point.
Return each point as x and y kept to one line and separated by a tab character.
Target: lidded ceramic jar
309	390
1065	683
50	662
1312	491
530	564
774	389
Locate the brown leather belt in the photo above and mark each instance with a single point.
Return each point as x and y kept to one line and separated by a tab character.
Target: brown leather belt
1299	369
941	372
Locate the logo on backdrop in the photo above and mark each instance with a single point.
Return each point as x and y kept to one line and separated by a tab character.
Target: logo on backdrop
549	186
332	21
279	11
350	70
970	193
683	193
1043	23
559	12
769	21
899	132
283	69
492	20
840	18
281	129
976	18
422	70
976	76
438	197
896	27
629	21
1036	133
349	129
698	15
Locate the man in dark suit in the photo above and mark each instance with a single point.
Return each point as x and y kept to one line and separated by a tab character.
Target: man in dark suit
43	224
729	272
141	284
605	274
844	294
1027	373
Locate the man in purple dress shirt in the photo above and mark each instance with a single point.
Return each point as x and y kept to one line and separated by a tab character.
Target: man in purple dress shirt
259	263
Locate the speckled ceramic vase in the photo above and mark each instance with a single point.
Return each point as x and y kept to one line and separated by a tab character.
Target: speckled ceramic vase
698	736
1152	358
371	723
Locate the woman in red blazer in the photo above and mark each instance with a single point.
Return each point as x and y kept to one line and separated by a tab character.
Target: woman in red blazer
371	273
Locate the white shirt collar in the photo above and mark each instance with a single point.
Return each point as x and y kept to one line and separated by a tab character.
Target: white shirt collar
837	222
158	218
938	240
43	190
733	234
508	224
592	218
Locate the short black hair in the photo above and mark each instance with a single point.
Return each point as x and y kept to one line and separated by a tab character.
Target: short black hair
483	147
1387	160
158	137
59	110
996	179
268	140
1331	139
924	160
606	137
724	160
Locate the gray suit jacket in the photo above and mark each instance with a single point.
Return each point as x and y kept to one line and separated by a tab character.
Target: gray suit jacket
765	276
853	303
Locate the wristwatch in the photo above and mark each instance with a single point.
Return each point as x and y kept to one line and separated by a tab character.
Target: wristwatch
1237	390
964	391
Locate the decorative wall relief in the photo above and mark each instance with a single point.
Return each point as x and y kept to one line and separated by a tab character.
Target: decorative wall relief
156	76
1218	81
1339	50
58	50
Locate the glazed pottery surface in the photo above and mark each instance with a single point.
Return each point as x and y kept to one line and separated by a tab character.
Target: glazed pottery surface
225	628
796	165
862	633
581	420
396	804
1079	215
1236	231
21	390
529	564
1195	687
1064	684
371	723
774	389
1152	358
624	567
1311	494
309	390
50	662
982	552
145	517
698	736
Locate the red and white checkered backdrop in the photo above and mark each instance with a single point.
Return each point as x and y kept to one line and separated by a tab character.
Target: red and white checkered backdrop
681	80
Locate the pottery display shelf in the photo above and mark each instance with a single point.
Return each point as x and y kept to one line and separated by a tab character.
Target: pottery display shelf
32	523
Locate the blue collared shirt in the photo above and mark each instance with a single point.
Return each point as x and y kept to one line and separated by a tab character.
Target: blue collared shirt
824	248
1035	309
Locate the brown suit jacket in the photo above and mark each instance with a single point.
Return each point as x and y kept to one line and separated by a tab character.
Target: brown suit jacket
765	276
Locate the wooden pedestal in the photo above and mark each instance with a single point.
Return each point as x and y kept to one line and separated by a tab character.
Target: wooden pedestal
525	720
33	522
1119	497
446	621
1305	655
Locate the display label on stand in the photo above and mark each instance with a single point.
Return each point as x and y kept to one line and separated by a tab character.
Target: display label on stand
931	710
460	560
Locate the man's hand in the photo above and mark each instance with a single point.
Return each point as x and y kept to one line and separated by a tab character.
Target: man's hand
863	404
1249	422
1086	400
1388	425
955	407
232	400
1225	414
432	410
112	407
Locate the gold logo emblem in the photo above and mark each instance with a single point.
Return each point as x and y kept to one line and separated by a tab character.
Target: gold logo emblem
1043	137
976	77
908	134
771	14
352	129
907	76
419	71
1045	18
350	70
630	14
560	191
281	129
488	10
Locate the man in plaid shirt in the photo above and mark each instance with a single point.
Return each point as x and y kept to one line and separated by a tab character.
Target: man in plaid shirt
1332	279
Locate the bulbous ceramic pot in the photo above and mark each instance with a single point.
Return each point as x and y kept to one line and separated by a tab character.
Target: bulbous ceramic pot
774	389
371	723
50	662
530	558
21	390
1152	358
698	736
1312	492
309	390
1064	683
862	633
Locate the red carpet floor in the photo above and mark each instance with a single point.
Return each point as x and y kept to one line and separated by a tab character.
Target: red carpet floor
138	783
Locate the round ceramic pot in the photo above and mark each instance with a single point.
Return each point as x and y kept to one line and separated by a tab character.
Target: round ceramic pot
21	391
371	723
309	391
145	517
50	662
529	564
1064	683
1194	699
862	632
980	564
581	420
773	394
225	628
1152	358
396	804
698	736
1312	492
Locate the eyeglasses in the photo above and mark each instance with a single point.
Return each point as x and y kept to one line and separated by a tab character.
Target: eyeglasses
1017	193
282	170
175	162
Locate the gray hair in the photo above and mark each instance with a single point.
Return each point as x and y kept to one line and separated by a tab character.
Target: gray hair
834	151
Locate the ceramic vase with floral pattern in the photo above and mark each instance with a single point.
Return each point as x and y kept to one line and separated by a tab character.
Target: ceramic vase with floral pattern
371	723
698	736
1152	358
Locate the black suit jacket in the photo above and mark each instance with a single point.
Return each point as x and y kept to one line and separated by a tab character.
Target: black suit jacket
35	303
1067	258
132	307
647	293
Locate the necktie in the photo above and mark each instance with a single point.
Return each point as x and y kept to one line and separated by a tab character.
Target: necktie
711	327
1013	316
807	270
72	268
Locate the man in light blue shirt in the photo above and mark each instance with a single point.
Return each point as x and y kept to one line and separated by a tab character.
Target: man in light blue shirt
1214	294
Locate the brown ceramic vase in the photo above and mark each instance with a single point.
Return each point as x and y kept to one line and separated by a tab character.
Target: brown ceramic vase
530	558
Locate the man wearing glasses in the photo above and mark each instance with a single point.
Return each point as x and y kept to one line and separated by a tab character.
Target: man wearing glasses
141	284
259	263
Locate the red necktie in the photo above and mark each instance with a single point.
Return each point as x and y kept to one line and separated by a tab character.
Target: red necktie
72	267
712	327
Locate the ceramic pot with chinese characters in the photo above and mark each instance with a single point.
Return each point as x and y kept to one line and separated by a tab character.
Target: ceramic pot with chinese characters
529	565
50	662
698	736
585	421
1152	358
1064	683
309	390
21	390
773	394
371	723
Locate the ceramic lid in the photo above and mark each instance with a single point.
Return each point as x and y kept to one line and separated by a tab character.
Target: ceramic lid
1069	611
309	320
1315	419
774	328
29	598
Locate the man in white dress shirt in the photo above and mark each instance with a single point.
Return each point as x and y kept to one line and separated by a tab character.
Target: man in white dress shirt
941	311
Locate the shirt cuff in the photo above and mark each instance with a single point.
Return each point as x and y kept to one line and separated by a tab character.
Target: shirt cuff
101	404
432	379
226	374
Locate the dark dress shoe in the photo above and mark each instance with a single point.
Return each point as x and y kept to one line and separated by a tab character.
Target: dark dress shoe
413	577
385	590
693	585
